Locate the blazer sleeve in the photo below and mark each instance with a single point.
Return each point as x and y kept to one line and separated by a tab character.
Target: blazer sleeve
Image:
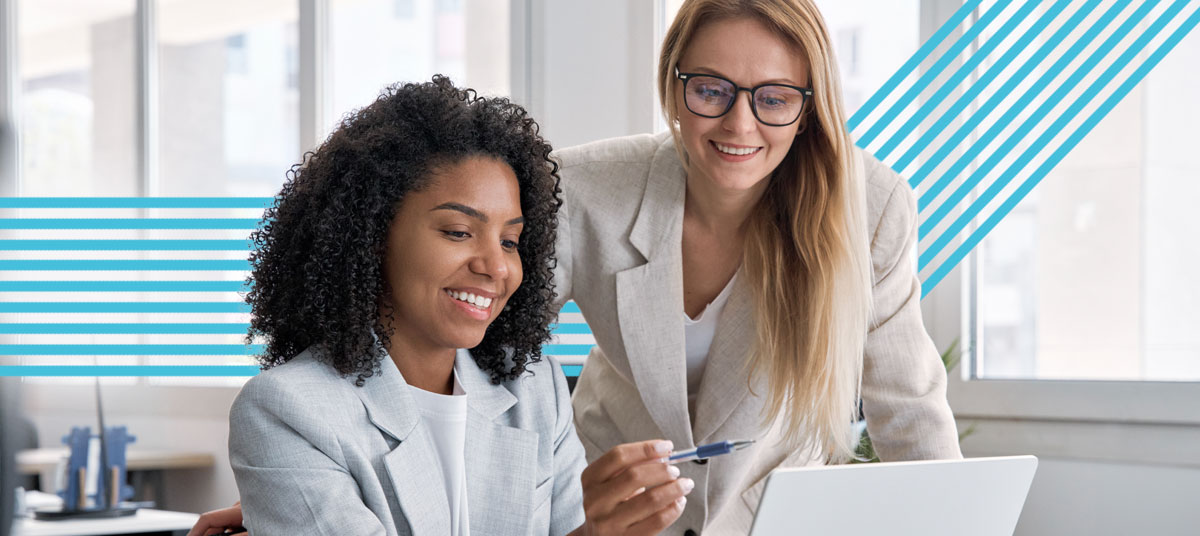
287	473
904	381
566	509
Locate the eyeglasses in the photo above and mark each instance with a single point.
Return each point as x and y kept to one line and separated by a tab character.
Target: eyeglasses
775	105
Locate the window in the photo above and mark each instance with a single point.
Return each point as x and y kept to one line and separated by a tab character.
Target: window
1091	276
467	41
78	106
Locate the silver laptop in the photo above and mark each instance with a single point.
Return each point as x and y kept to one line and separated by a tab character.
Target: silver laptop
976	496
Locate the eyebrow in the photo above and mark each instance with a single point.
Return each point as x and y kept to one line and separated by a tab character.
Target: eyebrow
458	207
706	70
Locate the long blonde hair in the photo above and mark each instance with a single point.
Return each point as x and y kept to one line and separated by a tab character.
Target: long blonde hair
807	257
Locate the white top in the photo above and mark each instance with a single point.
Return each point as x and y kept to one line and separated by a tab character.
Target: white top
698	336
446	418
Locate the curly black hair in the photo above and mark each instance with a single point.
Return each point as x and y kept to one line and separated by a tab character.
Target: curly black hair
317	269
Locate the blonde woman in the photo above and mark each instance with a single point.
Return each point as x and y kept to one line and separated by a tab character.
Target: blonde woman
749	274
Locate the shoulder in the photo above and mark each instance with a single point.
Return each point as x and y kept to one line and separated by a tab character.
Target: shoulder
636	149
888	195
891	214
302	388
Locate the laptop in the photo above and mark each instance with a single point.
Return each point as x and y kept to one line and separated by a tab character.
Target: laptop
976	496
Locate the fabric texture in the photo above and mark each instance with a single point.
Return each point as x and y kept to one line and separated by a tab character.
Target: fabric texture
620	259
313	454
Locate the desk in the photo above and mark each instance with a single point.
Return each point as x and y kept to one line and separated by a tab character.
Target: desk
143	521
44	460
145	467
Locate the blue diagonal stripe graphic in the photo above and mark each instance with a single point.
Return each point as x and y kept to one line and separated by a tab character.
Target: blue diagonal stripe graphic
915	61
1020	103
975	237
911	94
988	77
969	66
1042	141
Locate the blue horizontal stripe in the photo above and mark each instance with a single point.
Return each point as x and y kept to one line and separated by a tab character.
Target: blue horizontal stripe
104	370
122	286
224	265
125	245
128	223
124	307
231	328
572	371
570	307
129	349
572	329
567	349
135	202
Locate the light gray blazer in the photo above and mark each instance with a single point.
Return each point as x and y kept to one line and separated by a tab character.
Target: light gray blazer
619	255
313	454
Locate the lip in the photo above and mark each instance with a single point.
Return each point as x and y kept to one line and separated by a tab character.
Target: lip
734	157
469	310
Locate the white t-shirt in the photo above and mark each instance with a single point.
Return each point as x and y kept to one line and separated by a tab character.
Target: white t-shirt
446	418
698	336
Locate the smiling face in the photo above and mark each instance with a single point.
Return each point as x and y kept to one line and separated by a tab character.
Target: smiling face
452	260
735	152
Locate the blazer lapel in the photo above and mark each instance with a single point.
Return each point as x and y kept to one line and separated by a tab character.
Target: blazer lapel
412	466
723	387
501	461
650	299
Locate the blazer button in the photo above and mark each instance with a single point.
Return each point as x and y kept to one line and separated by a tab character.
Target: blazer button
701	461
689	532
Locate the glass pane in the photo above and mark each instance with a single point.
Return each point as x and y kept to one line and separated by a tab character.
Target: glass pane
376	43
77	98
228	96
1092	275
872	39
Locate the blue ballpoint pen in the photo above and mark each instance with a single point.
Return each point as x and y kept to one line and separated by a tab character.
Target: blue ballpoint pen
708	451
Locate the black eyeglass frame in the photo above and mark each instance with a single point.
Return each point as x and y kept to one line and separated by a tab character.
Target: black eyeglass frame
805	94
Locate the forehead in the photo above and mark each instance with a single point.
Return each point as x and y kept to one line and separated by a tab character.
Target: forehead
745	50
480	182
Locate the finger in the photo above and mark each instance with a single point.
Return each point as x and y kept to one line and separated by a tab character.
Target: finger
650	504
659	520
621	457
602	499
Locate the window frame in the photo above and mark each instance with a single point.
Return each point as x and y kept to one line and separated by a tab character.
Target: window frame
1151	422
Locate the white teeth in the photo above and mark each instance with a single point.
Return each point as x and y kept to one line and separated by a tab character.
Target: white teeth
478	301
735	150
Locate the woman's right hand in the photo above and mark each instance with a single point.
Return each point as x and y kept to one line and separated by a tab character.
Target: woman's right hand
631	490
217	521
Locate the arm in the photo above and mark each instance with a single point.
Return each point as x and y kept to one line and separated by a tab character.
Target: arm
566	507
287	468
904	382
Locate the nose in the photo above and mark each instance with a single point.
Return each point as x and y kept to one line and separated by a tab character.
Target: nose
740	118
491	261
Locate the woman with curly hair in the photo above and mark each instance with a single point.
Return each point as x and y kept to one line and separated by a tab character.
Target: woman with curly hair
423	227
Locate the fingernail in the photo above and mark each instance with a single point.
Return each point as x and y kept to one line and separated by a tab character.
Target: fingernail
663	447
686	484
673	471
681	502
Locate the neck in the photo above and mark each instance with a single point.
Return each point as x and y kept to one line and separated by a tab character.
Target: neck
430	369
721	212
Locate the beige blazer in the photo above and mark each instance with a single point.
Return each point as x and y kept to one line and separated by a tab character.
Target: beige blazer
620	260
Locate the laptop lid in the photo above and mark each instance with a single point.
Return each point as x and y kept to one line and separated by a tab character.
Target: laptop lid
977	496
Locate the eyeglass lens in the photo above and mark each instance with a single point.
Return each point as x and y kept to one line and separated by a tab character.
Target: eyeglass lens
773	104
